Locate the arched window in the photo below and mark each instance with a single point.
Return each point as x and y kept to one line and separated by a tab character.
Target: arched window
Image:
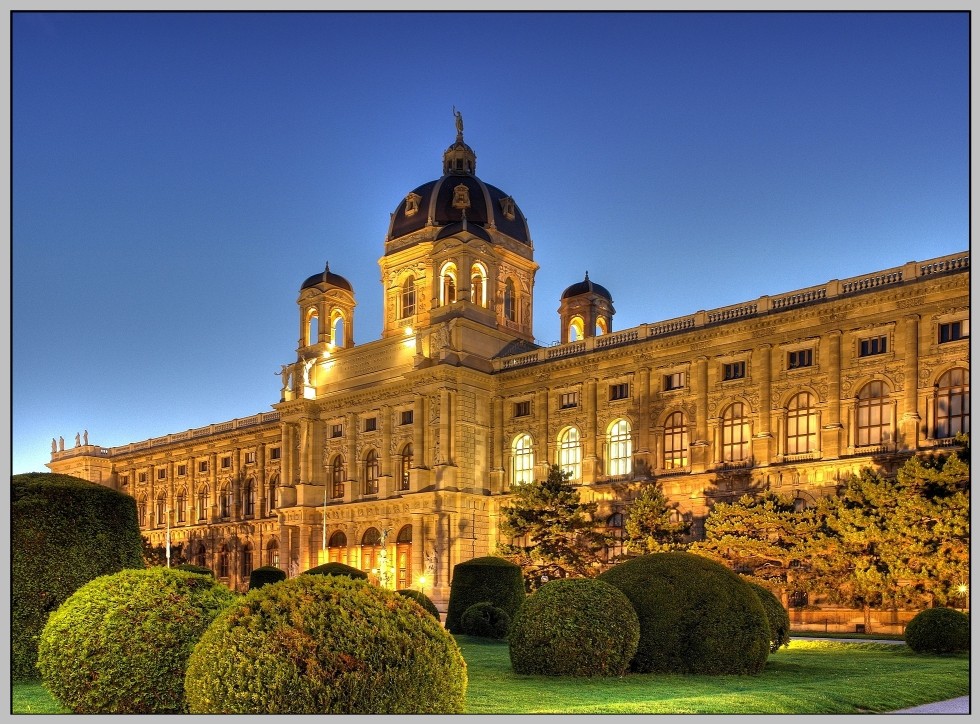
312	326
141	510
272	553
161	508
447	291
370	546
245	562
874	420
576	329
201	555
181	506
614	529
273	500
248	497
225	502
408	298
337	323
620	442
223	561
510	301
801	424
478	285
734	433
522	464
371	473
406	465
675	441
953	403
570	453
203	502
403	558
337	548
337	476
601	327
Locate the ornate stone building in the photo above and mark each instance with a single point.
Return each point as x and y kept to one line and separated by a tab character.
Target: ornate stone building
395	455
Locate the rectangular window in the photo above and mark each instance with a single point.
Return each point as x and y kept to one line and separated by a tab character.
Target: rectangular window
202	466
619	391
952	331
123	480
142	477
250	458
275	453
568	400
370	424
799	358
675	381
182	470
733	370
522	409
162	474
873	345
408	416
337	430
226	461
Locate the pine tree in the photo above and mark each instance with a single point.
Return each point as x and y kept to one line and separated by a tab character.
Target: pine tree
557	534
649	523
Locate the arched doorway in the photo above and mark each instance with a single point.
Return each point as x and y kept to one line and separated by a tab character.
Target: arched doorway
337	548
403	558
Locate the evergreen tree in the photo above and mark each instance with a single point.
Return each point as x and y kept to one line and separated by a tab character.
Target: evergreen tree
649	525
556	535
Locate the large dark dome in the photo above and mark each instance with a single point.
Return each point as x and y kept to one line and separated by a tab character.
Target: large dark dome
586	286
330	278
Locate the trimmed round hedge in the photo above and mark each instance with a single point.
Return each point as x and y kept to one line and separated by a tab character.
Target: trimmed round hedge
336	569
490	579
777	616
64	532
264	575
938	631
191	568
574	627
325	645
421	599
485	621
696	616
120	643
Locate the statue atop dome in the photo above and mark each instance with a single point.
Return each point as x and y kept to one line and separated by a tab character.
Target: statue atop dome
459	123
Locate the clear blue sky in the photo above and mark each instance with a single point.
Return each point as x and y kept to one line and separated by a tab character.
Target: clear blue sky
177	176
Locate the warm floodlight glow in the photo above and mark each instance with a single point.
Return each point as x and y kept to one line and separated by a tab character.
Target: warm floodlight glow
408	331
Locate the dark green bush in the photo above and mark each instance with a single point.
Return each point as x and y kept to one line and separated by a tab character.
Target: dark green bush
938	631
484	579
325	645
335	569
777	616
421	599
485	620
120	643
65	531
696	616
574	627
191	568
265	575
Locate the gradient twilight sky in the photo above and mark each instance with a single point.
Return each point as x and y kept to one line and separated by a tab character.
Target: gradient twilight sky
177	176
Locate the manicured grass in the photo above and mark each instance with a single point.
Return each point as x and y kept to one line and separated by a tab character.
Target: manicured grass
810	677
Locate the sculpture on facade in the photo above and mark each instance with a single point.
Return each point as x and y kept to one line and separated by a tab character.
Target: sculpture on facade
85	437
78	439
54	445
459	121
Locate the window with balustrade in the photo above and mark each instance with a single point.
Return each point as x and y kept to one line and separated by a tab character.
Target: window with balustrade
735	434
675	441
372	473
570	453
404	481
873	416
801	424
619	441
953	403
337	475
522	461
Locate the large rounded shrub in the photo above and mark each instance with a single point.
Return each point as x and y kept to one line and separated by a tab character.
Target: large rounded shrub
490	579
421	599
325	644
65	531
120	643
938	631
574	627
264	575
777	616
485	621
336	569
696	616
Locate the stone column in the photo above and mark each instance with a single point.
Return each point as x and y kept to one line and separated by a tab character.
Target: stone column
643	418
546	446
352	486
762	449
831	437
418	430
910	419
445	413
418	550
260	481
590	457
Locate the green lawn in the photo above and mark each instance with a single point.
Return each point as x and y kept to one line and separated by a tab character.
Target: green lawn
809	677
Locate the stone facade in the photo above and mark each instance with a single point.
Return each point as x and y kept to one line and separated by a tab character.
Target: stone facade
395	455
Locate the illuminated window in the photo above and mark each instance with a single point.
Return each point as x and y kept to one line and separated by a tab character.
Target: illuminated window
447	293
872	346
675	441
734	433
570	453
371	473
312	326
873	414
799	358
601	327
272	553
620	441
337	475
801	425
675	381
406	465
576	329
403	557
568	400
952	331
478	285
510	301
733	371
337	548
370	545
522	465
408	298
337	328
953	403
